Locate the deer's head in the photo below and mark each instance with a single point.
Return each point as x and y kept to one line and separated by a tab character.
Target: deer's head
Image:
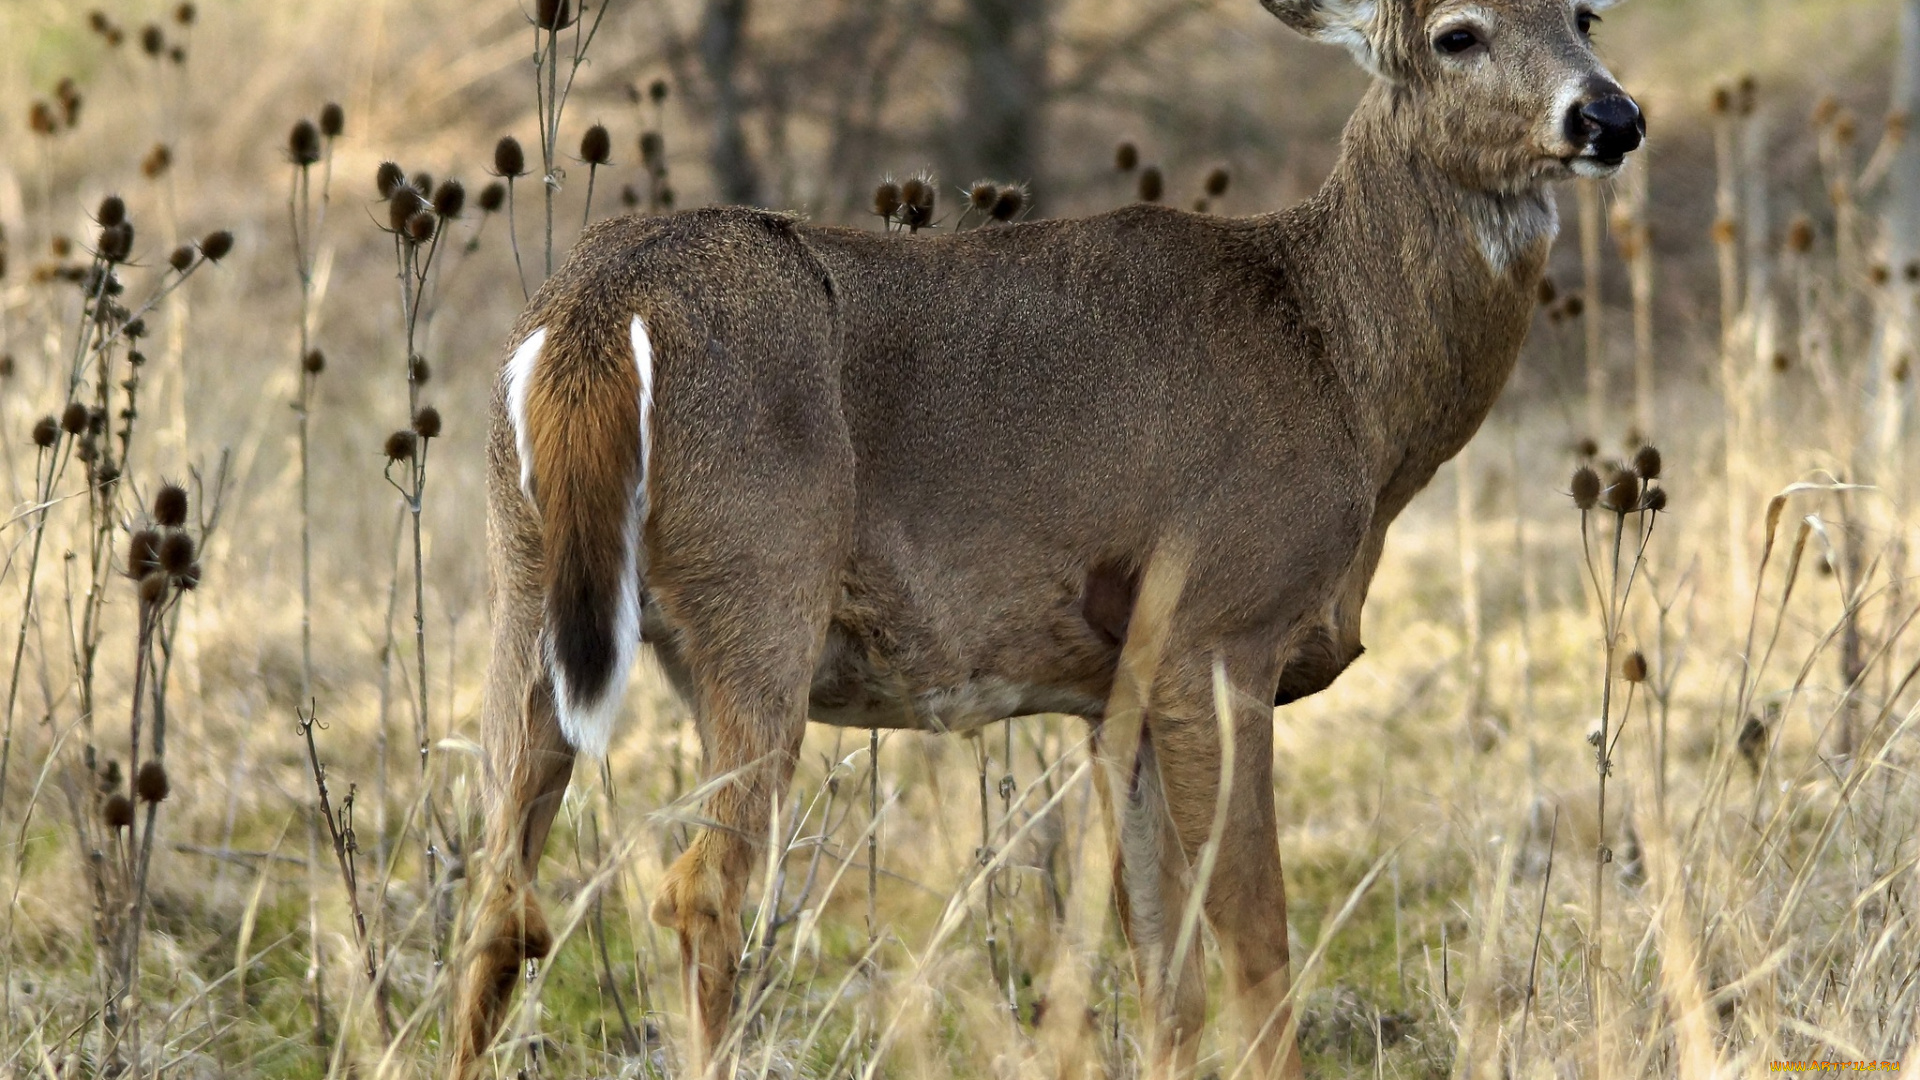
1501	94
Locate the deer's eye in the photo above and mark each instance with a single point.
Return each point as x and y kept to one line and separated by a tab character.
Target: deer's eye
1457	41
1586	21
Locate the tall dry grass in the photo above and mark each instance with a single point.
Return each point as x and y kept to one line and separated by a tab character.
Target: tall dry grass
1465	899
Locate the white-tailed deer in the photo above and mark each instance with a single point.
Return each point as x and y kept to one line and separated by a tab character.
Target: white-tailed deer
919	482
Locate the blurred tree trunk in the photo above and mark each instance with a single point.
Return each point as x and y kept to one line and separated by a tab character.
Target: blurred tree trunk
1004	47
723	37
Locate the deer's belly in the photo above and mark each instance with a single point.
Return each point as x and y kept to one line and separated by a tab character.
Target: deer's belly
852	687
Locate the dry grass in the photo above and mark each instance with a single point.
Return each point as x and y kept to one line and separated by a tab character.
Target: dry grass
1438	806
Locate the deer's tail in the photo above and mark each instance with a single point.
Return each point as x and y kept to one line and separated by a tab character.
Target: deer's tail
580	397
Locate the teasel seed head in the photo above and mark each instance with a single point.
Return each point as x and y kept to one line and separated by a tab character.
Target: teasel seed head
116	242
97	22
1782	363
181	259
170	506
981	195
418	370
184	14
1547	292
1575	306
918	196
40	119
493	197
389	178
73	419
1752	742
1879	274
314	362
1721	103
113	211
303	143
1008	204
405	203
1217	182
1655	500
1800	235
1623	492
1586	487
189	579
400	445
118	812
1634	667
1152	185
215	245
176	553
333	120
508	159
152	41
152	785
1126	157
652	149
157	161
6	365
152	588
449	199
143	553
422	183
46	432
421	227
552	14
426	423
596	146
886	198
1646	462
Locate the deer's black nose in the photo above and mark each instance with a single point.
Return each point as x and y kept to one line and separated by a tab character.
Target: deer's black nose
1611	127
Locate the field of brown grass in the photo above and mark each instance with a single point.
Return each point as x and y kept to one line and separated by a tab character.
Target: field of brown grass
1460	905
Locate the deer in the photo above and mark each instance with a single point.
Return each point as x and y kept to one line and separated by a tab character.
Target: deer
935	482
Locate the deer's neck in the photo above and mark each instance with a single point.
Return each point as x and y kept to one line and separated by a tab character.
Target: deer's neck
1426	285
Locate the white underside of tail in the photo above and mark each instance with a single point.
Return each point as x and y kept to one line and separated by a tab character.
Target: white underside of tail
588	723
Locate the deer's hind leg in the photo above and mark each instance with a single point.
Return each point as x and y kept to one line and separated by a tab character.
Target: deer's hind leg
530	764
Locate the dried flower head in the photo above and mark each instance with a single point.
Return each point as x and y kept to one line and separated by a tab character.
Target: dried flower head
170	506
493	197
1623	492
1547	292
918	196
181	258
118	812
1152	185
314	362
508	159
1634	667
215	245
449	199
1217	182
151	784
333	120
116	242
143	553
596	146
40	119
1752	742
405	203
1008	204
6	365
176	553
189	580
184	14
400	446
157	161
1655	500
981	195
426	423
1586	487
418	370
886	199
112	211
552	14
73	419
1126	157
152	588
389	178
423	183
177	54
652	149
1800	235
46	432
1721	103
1575	306
97	22
422	226
152	41
303	143
1646	462
135	328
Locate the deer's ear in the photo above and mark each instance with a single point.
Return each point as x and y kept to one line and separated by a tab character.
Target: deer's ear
1351	23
